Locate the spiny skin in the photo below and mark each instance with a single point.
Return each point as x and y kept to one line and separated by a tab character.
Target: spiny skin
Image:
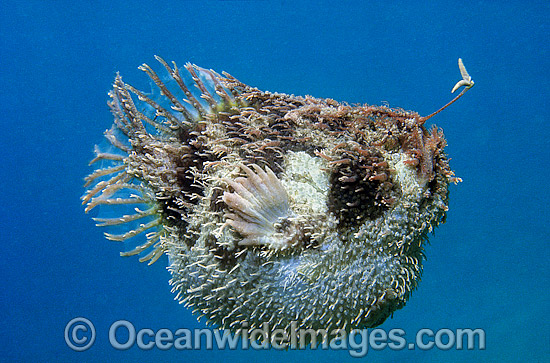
272	207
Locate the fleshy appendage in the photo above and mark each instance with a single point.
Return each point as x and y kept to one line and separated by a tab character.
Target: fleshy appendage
144	182
114	187
260	209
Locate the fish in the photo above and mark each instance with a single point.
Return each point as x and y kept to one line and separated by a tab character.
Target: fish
291	211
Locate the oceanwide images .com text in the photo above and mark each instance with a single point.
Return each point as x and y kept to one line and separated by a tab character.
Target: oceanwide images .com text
80	335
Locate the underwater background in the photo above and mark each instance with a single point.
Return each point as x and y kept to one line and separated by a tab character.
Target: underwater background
487	267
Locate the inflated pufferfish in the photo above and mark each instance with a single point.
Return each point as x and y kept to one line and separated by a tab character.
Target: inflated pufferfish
271	208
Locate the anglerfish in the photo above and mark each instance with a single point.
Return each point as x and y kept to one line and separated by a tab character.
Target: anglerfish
271	208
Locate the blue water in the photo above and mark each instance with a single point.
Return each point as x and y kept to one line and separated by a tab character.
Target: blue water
487	266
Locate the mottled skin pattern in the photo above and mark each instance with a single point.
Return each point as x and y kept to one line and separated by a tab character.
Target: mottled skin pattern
271	207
